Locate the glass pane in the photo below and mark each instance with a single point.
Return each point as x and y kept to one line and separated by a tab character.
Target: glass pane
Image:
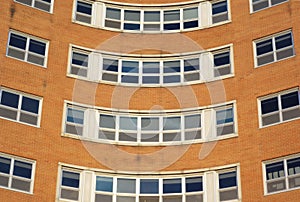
104	184
192	135
17	41
274	2
260	5
75	116
171	123
149	198
110	65
293	166
37	47
80	59
35	59
110	77
172	15
28	2
151	67
275	170
194	198
290	100
277	185
128	123
219	7
113	13
221	59
125	199
172	198
30	105
172	26
224	130
190	24
43	5
125	185
171	186
224	116
20	185
103	198
270	119
131	26
171	79
130	79
22	169
27	118
132	15
149	186
9	99
70	179
69	194
84	8
76	130
112	24
192	77
4	181
227	180
228	195
283	41
130	137
191	65
107	135
265	59
190	13
107	121
20	54
193	184
150	80
269	105
8	113
150	123
264	47
130	66
172	67
152	137
152	27
4	165
168	137
192	121
151	16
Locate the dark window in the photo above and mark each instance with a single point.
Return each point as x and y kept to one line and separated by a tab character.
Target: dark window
171	186
227	180
83	7
149	186
18	41
269	105
22	169
9	99
30	105
290	100
104	184
70	179
194	184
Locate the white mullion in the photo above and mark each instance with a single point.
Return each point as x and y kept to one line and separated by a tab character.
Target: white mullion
183	190
114	191
122	19
161	124
117	127
280	108
139	129
181	20
119	70
274	48
140	72
12	163
137	189
141	20
19	110
161	72
181	62
286	174
27	48
182	128
160	189
161	20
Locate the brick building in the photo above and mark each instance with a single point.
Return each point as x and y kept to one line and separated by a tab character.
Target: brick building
149	101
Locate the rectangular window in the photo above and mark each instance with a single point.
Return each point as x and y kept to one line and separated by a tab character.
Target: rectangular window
192	127
282	175
274	48
45	5
74	120
219	11
261	4
132	20
70	185
79	62
281	107
16	174
222	62
172	20
27	48
83	12
228	189
20	107
190	18
151	20
191	69
113	18
225	120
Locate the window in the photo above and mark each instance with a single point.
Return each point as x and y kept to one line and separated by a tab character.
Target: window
20	107
280	107
16	173
219	11
82	184
27	48
225	120
261	4
83	12
74	120
282	175
222	62
274	48
70	185
113	18
79	62
45	5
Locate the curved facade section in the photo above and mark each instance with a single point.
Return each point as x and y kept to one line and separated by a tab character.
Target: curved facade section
151	70
150	127
190	186
151	18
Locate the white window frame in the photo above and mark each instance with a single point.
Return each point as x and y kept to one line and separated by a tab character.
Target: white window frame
273	95
286	175
19	110
26	51
92	16
209	183
228	12
273	36
269	5
33	5
10	175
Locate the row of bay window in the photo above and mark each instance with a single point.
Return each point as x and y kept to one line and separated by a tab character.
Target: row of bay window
214	184
87	11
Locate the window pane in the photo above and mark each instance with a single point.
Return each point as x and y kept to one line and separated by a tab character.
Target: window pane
125	199
103	198
80	59
75	116
37	47
30	105
125	185
171	15
151	16
22	169
275	170
150	80
194	184
110	65
28	2
227	180
192	121
172	26
151	67
290	100
150	123
131	26
172	186
269	105
149	186
4	165
191	65
70	179
264	47
84	8
9	99
190	24
113	13
132	15
107	121
224	116
221	59
172	67
130	67
128	123
17	41
293	166
283	41
171	123
219	7
190	13
104	184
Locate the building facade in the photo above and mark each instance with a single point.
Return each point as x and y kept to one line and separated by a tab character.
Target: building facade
149	101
